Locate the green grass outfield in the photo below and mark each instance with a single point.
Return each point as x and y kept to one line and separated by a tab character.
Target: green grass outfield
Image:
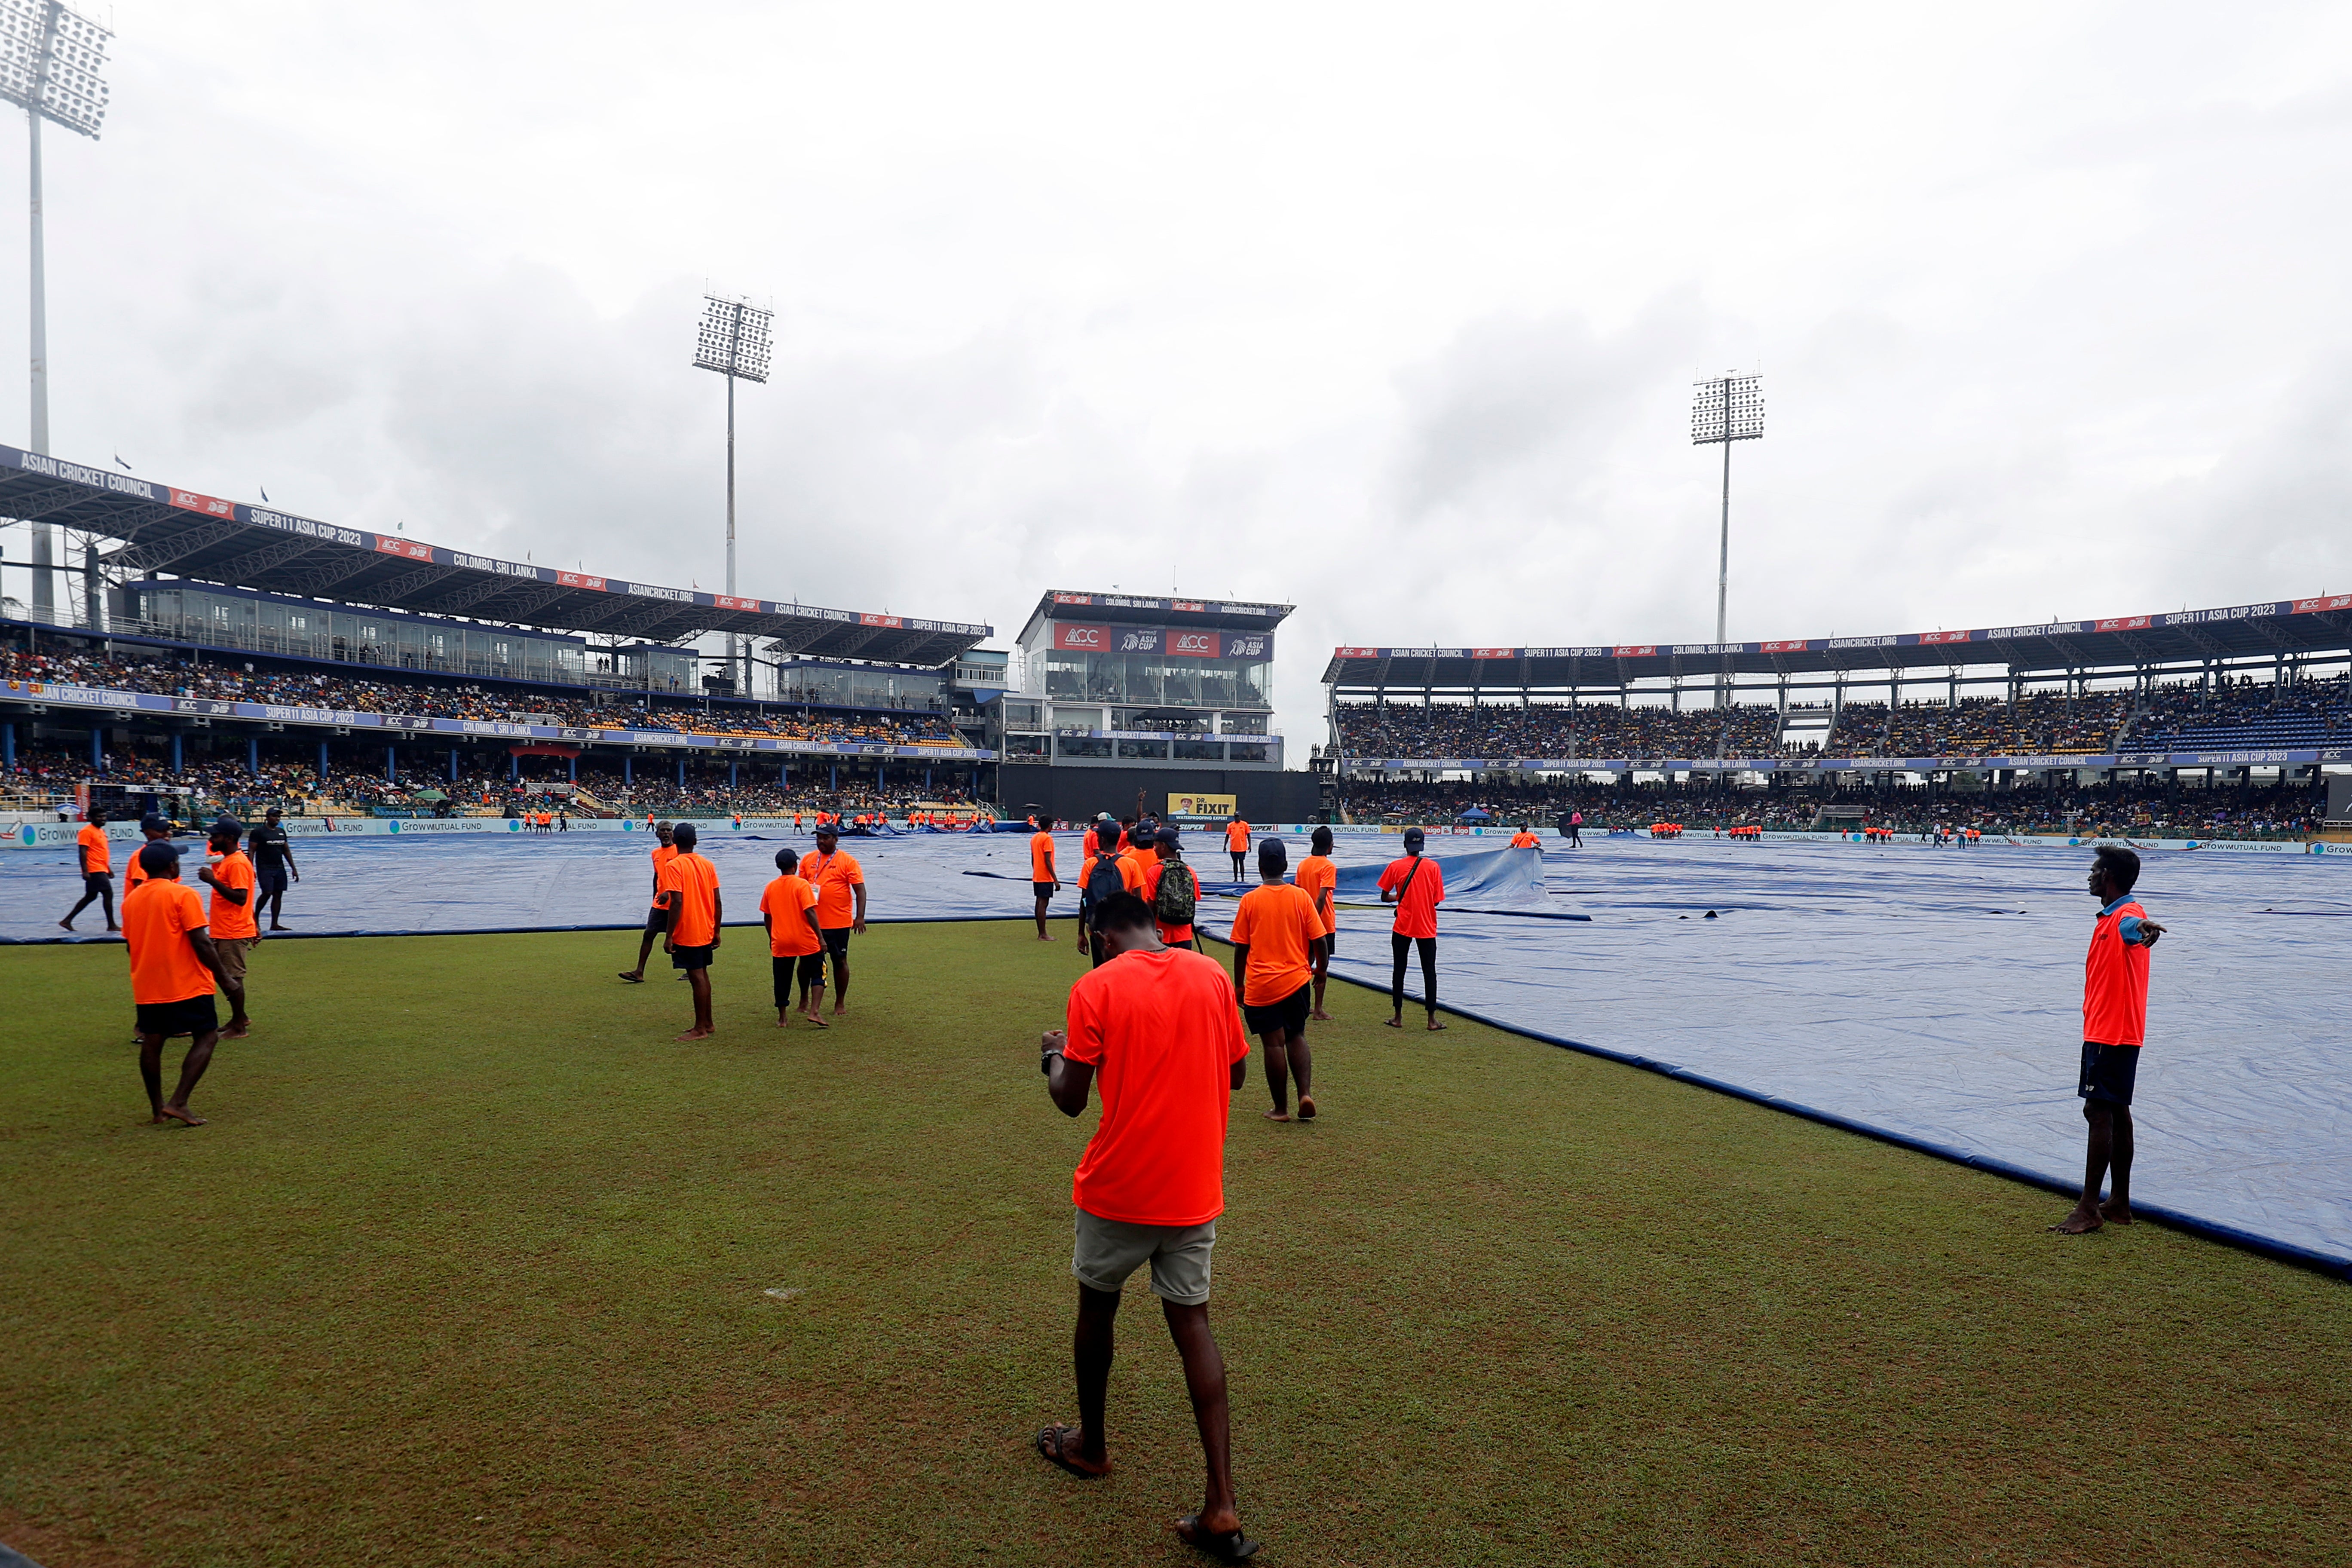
472	1267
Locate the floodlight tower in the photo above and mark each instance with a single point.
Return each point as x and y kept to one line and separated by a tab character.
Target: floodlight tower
734	343
1728	408
49	59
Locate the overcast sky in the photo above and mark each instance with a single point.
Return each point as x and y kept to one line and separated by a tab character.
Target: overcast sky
1388	313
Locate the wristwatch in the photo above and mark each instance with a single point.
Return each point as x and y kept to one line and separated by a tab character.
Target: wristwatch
1045	1062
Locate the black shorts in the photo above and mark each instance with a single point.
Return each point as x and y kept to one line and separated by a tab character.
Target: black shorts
837	940
654	917
268	883
808	969
691	957
193	1017
1044	889
2107	1074
96	882
1290	1015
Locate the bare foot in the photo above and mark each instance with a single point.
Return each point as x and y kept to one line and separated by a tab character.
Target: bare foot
1319	1015
181	1114
237	1031
1278	1115
1434	1023
2115	1212
783	1022
1306	1108
839	1008
693	1035
2081	1222
64	925
820	1023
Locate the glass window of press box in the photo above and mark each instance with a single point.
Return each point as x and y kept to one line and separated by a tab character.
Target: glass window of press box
862	686
1156	681
304	628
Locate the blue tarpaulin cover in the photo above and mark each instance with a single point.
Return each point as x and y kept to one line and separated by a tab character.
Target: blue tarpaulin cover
1931	995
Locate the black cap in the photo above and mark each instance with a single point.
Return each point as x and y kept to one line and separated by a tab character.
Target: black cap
1169	836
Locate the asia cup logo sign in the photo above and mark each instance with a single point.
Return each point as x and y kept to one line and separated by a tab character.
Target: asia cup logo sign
1247	645
1140	639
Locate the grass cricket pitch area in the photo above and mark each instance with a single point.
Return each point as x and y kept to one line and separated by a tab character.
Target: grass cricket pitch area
475	1265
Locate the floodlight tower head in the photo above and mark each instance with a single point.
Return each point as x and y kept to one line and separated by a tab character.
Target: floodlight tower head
734	338
1728	408
49	60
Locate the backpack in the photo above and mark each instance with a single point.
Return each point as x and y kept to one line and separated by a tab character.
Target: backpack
1178	891
1103	883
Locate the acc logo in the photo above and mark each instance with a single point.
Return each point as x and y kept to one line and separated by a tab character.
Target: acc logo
1201	645
1081	636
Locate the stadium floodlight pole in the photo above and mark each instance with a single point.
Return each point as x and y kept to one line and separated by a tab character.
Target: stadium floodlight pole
1728	408
734	343
49	59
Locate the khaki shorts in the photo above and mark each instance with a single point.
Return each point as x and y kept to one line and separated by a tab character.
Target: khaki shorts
232	950
1108	1250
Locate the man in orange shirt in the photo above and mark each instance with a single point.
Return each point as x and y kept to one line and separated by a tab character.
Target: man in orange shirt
1416	887
1043	882
691	907
1276	934
1095	887
97	863
788	908
1524	839
840	884
1318	879
173	970
153	829
1237	834
1149	1188
663	853
1168	860
234	932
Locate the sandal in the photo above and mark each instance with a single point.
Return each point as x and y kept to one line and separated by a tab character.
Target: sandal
1049	1447
1231	1547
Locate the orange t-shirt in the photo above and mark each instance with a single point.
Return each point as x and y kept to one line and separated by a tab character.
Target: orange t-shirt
689	884
133	873
1275	923
233	922
1041	858
1089	843
1416	911
156	920
1237	837
1317	876
833	876
663	855
1129	877
1162	1051
100	861
790	905
1143	860
1523	840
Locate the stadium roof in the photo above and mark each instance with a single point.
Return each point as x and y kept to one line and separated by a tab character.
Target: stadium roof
193	535
2321	624
1142	609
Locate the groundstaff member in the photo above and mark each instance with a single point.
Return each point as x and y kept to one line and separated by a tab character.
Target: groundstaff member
840	884
231	921
272	852
663	853
173	970
1276	934
97	863
1043	883
690	911
2114	1027
788	908
1318	878
1158	1023
1416	887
